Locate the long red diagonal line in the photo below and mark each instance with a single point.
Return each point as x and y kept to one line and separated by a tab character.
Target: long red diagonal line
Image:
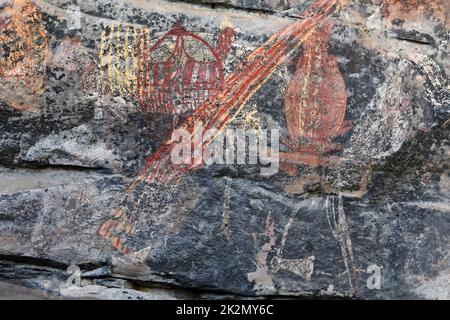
238	96
242	84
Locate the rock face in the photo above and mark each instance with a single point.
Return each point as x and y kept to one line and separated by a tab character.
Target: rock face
91	205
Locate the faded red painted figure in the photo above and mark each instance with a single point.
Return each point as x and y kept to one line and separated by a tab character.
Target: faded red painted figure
181	71
315	104
223	106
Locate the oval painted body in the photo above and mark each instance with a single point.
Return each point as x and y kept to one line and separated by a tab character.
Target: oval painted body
316	98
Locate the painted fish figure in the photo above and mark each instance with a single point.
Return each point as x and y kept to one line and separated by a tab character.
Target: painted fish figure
315	102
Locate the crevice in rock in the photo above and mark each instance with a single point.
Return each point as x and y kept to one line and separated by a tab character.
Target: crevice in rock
66	167
42	262
414	37
416	41
227	6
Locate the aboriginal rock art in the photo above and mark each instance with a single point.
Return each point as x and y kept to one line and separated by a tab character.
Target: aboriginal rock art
228	101
303	267
118	223
266	268
23	55
315	104
181	71
337	222
223	107
175	75
261	277
121	47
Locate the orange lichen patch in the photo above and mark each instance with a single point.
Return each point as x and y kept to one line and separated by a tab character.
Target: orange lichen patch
412	10
23	54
